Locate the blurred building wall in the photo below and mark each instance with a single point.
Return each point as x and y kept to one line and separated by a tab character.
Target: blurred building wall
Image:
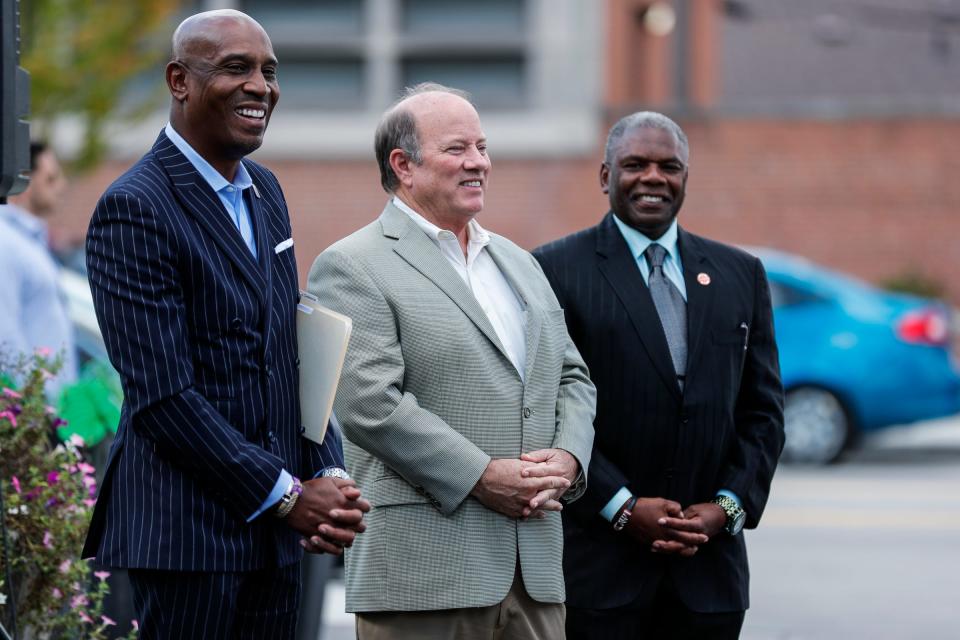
837	173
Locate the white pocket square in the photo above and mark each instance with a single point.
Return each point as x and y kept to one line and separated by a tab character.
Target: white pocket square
283	246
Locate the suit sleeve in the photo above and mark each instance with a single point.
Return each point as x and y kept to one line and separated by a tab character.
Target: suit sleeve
139	300
376	414
576	408
318	457
758	415
603	478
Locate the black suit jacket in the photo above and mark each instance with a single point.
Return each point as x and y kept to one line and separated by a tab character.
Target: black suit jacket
724	431
203	336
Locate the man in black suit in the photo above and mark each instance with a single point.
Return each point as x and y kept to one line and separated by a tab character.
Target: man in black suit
195	286
677	331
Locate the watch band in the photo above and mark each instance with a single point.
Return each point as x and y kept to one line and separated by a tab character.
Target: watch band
289	498
625	514
735	514
335	472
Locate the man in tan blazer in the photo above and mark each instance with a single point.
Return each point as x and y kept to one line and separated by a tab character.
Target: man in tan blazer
467	409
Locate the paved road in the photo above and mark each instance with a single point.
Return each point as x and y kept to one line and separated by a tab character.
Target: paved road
866	549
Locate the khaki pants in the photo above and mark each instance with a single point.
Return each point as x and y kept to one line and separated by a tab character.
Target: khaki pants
518	617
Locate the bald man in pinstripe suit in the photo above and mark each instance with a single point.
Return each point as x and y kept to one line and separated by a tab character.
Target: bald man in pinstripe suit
195	285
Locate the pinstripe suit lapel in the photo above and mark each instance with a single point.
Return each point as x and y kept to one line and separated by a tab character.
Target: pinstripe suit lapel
699	297
532	312
200	202
416	248
619	268
265	255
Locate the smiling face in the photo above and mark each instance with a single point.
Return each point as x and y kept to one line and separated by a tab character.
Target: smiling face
224	84
645	178
448	185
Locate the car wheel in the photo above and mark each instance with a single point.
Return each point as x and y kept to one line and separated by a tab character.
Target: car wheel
817	426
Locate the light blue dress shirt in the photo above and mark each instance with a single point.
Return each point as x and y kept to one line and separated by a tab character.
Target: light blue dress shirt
33	310
673	269
231	195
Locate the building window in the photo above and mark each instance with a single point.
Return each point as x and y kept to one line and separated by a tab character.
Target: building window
533	68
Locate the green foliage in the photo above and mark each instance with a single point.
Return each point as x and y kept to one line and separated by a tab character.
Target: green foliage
48	491
82	54
915	282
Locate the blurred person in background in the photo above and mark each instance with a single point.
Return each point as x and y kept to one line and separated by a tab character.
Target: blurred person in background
678	333
194	283
33	311
466	407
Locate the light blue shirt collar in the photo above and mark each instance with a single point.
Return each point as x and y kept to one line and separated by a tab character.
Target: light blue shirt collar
213	177
29	224
638	242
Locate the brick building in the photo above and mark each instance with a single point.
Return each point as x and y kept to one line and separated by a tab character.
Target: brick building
826	128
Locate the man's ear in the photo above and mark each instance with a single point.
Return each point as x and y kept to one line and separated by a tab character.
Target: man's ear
604	177
400	163
176	75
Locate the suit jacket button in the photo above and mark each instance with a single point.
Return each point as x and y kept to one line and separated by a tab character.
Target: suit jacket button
303	429
527	412
271	436
236	323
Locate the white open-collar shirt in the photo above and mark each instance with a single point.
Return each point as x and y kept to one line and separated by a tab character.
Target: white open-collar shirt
483	277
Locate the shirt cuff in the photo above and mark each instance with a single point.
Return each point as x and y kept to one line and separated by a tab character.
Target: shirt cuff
278	490
609	512
731	495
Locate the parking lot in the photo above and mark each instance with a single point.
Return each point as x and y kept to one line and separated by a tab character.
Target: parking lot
869	548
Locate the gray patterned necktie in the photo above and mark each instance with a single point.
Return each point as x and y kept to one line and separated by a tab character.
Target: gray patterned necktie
671	308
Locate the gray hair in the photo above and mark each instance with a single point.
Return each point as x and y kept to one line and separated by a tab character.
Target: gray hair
398	130
646	120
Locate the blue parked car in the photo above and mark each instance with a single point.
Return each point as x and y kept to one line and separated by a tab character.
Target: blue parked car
854	358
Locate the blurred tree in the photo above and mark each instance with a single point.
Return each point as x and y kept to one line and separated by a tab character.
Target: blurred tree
82	55
914	281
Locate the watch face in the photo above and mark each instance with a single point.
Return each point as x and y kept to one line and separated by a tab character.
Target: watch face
736	525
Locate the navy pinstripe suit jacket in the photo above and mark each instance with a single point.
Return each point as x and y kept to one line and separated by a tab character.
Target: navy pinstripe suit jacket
723	431
203	335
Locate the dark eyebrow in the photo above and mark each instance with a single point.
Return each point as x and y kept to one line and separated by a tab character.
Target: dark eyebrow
637	158
242	57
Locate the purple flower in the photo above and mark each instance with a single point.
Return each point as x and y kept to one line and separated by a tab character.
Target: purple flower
48	539
53	477
57	593
84	616
10	393
51	502
58	422
43	352
102	575
76	440
89	502
65	566
107	622
79	601
136	625
87	469
9	415
16	483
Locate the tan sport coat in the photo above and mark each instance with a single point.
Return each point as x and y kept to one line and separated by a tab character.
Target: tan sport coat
426	399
